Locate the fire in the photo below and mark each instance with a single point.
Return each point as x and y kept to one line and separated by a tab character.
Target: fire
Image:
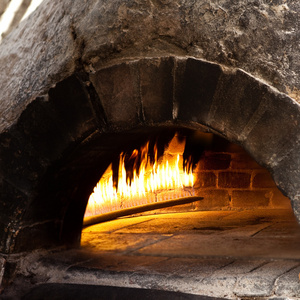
163	179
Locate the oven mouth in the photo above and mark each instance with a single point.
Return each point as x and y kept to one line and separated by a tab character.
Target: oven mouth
53	216
84	124
222	173
233	199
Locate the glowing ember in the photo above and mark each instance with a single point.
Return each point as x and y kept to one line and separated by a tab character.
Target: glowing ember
162	180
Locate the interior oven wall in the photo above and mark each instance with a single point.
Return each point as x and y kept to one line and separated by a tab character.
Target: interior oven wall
229	179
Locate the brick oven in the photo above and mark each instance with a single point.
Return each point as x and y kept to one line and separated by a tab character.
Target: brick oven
84	97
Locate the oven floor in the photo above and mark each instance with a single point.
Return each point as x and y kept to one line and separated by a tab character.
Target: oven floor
222	254
272	234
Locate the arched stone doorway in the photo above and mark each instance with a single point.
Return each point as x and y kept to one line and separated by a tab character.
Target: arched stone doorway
53	156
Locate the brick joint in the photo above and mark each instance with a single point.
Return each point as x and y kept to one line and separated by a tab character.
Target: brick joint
233	180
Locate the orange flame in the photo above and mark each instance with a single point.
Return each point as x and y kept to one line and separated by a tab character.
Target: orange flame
163	180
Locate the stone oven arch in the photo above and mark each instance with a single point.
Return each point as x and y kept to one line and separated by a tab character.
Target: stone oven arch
55	153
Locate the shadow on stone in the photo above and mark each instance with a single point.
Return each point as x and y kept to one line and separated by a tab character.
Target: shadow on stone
73	291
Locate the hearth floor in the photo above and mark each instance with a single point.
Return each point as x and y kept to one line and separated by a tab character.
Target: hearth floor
226	254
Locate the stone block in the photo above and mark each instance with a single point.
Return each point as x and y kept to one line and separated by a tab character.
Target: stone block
274	133
279	200
118	91
205	180
213	199
236	101
74	106
287	177
234	180
263	180
195	85
287	285
156	86
43	130
44	235
243	161
262	281
247	198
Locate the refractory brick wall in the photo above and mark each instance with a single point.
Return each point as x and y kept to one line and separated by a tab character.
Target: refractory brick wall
230	179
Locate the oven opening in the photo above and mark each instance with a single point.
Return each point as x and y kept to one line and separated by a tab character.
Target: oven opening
236	221
188	193
232	234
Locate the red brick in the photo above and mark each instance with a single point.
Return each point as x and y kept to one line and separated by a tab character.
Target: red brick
216	161
246	199
234	180
263	180
213	199
243	161
280	201
205	180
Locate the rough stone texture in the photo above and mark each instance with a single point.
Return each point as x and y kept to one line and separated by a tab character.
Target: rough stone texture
2	268
251	198
256	285
119	94
245	95
198	83
259	37
57	122
213	199
291	290
213	258
265	130
157	91
63	141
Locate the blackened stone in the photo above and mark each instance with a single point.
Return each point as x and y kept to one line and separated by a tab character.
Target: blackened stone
196	82
236	100
274	134
13	202
287	177
4	242
44	235
72	109
156	83
20	163
43	131
118	91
